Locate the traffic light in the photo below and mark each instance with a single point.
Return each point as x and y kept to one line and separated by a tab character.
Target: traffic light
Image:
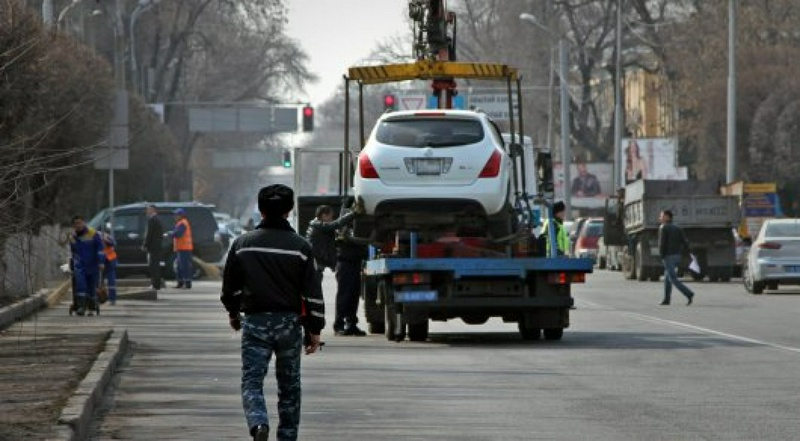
389	103
308	119
287	159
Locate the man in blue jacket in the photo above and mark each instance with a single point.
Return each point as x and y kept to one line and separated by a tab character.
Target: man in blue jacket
87	260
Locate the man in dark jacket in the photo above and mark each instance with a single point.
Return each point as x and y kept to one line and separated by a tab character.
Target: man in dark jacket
321	233
153	237
349	263
270	276
672	244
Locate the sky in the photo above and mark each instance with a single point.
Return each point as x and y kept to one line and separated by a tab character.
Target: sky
337	34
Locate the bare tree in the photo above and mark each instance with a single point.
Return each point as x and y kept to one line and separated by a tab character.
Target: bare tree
218	51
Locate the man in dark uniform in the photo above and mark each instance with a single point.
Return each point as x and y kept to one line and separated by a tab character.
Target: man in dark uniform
270	276
321	233
153	237
349	262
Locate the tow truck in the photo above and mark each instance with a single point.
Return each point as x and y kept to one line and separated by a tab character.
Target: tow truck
438	275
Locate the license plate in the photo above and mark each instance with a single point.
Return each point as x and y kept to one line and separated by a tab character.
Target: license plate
415	296
426	166
792	268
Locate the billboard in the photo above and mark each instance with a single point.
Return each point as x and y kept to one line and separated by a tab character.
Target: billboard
651	158
591	183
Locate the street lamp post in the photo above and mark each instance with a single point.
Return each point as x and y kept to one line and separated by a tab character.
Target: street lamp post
730	172
141	7
566	157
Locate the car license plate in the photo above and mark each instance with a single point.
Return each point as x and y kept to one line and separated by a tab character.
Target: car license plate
792	268
415	296
429	166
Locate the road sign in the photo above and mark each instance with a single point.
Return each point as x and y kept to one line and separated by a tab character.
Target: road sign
115	158
238	118
413	102
494	104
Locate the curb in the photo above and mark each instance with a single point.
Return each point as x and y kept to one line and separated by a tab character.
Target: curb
77	416
21	310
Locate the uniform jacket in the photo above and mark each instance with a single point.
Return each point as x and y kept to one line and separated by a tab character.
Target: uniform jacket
322	236
154	235
272	269
671	240
87	251
182	236
562	238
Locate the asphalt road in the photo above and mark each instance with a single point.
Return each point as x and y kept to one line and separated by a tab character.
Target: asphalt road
725	368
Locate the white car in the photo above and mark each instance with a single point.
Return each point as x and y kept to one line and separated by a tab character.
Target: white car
434	170
774	257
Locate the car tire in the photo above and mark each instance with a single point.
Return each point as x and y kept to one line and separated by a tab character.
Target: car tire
752	286
500	223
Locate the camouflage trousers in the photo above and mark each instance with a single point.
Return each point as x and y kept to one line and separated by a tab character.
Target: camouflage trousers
263	335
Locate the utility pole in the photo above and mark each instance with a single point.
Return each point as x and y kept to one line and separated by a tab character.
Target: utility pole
618	174
730	173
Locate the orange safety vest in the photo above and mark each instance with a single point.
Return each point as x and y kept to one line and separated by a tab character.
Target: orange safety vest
111	253
183	243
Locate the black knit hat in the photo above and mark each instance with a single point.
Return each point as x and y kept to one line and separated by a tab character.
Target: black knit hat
559	207
275	200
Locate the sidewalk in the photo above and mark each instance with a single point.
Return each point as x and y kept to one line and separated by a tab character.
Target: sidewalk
54	368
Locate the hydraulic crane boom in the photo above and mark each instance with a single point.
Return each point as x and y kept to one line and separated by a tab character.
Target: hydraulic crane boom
435	39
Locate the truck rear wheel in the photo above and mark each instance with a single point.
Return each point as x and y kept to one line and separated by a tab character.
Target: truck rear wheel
372	311
390	322
528	333
553	333
641	271
418	331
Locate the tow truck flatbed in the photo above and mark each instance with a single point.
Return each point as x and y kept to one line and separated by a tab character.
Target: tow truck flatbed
478	267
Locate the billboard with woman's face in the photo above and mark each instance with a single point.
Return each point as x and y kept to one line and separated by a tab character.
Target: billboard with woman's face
650	158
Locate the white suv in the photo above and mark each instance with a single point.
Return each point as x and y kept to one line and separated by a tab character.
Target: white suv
434	170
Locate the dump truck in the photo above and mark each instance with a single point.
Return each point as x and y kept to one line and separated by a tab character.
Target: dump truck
706	217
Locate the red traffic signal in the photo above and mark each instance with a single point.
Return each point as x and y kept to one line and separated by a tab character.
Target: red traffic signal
308	119
389	102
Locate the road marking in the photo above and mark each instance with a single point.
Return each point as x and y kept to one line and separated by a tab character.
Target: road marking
650	318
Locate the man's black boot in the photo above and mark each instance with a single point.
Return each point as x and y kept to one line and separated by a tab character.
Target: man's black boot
179	285
353	330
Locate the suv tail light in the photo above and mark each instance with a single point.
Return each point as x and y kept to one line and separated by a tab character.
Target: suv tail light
366	168
492	167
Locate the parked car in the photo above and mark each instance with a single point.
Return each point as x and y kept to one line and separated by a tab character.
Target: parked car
586	244
572	233
774	257
434	169
130	221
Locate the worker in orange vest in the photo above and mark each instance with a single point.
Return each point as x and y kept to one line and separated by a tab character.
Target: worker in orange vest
182	245
110	252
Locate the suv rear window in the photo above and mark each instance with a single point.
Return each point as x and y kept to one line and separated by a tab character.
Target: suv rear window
429	132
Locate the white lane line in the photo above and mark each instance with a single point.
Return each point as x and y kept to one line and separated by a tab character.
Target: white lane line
650	318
